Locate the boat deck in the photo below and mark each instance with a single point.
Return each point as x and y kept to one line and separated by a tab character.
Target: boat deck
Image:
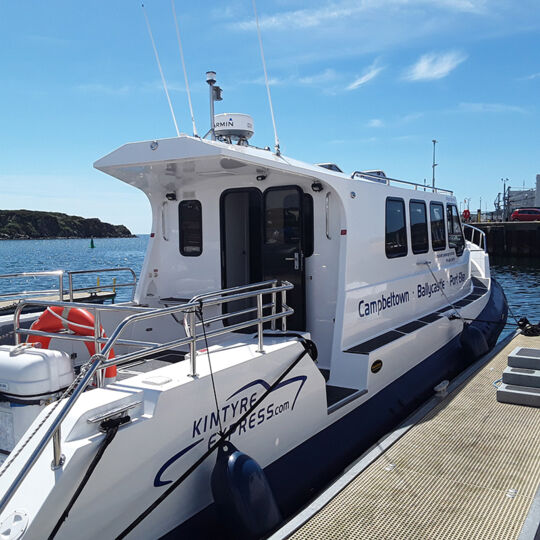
97	297
463	466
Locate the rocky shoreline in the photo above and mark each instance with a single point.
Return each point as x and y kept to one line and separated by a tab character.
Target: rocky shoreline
36	225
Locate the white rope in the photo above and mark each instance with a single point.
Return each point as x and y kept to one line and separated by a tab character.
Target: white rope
276	140
160	70
71	323
184	68
68	322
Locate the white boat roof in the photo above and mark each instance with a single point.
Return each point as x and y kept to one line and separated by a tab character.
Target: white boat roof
171	160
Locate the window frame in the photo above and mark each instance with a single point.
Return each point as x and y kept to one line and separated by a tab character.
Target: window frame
441	205
406	252
423	203
181	234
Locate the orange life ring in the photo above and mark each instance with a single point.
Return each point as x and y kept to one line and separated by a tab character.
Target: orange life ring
80	321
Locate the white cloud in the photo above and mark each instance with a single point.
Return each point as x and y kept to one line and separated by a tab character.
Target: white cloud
109	90
344	9
325	76
433	66
317	79
411	117
371	72
490	108
405	138
375	123
532	76
354	141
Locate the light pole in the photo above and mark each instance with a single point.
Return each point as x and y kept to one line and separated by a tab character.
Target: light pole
480	216
434	141
504	180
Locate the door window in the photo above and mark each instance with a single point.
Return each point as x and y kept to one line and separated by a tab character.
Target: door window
282	225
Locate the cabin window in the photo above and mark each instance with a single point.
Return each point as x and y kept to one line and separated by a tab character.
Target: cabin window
419	233
456	239
282	224
308	225
190	220
396	232
438	233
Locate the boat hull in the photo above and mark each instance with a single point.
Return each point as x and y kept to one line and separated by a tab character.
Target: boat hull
300	474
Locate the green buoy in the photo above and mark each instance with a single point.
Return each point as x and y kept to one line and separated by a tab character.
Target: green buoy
92	243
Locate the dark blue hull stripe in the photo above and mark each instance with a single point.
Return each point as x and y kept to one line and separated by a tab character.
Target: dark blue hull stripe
298	476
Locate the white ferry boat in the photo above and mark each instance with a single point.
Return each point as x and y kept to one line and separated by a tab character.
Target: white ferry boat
292	310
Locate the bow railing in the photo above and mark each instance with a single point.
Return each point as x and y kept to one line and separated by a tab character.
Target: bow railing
193	321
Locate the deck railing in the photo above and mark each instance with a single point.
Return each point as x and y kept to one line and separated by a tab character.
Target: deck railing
99	361
475	235
388	181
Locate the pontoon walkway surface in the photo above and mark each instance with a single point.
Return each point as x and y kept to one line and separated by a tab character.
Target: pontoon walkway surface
97	297
463	466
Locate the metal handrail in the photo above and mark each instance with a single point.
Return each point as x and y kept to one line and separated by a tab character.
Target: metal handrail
71	290
386	180
112	286
49	273
474	230
99	361
95	308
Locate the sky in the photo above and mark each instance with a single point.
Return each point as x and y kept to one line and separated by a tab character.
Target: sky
366	84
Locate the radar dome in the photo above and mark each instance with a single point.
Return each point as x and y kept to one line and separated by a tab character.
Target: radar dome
233	126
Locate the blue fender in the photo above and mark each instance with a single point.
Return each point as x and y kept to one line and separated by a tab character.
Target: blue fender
242	494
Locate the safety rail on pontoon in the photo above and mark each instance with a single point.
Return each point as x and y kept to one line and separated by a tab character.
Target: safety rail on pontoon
100	362
54	274
471	233
59	275
388	181
111	286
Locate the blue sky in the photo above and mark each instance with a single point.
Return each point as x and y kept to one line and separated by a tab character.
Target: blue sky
366	84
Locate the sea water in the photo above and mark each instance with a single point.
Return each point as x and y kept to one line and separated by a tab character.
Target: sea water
520	278
18	256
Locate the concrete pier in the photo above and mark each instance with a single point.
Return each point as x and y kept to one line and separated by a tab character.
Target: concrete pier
515	239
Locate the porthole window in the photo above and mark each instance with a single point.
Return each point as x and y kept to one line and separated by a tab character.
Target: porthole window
190	221
396	232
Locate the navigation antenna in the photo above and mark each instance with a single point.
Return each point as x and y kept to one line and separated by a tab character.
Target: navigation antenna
276	140
195	134
160	70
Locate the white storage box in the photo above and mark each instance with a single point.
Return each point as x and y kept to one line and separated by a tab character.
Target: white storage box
29	379
26	372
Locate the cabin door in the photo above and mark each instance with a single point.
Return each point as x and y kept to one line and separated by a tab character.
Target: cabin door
261	238
240	245
282	253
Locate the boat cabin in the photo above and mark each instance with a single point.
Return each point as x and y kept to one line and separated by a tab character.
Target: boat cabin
365	253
